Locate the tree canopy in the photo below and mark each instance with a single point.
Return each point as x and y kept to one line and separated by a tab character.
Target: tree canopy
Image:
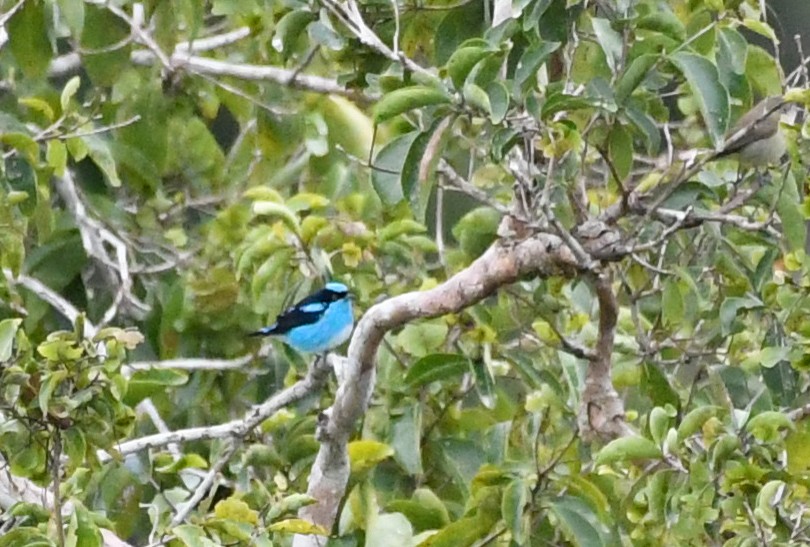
575	324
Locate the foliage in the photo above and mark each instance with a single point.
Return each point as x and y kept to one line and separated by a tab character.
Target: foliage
192	202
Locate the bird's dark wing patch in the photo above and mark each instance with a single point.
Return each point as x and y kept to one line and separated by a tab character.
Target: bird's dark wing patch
306	312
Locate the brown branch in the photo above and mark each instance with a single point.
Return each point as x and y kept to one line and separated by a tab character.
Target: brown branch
503	263
602	411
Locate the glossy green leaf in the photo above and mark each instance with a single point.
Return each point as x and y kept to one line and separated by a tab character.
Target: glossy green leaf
388	165
531	61
711	96
632	77
578	522
403	100
436	367
627	448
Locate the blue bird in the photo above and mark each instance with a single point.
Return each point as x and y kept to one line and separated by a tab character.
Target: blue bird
317	323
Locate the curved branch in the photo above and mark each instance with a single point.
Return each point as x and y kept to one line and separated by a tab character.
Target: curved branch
503	263
602	411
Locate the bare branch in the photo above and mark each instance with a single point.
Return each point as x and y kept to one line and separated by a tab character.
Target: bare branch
205	484
458	182
194	364
312	382
65	308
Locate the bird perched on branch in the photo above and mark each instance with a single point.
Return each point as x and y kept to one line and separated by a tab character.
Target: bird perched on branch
317	323
756	139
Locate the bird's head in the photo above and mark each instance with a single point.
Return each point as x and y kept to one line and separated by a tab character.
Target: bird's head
336	290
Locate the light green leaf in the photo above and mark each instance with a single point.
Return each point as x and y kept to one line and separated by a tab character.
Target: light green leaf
391	530
405	99
8	331
99	151
610	41
365	454
628	448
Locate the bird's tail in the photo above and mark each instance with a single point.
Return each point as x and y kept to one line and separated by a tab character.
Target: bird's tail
266	331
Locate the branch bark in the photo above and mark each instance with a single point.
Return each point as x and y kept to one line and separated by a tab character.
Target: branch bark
503	263
601	412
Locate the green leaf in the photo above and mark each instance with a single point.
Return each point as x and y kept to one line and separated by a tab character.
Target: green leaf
421	339
56	156
532	59
609	40
290	28
405	439
515	498
628	448
692	422
8	332
419	168
439	366
477	97
105	45
237	510
633	76
672	304
664	21
398	228
391	530
790	213
28	38
277	210
50	382
477	230
405	99
298	526
387	172
145	383
185	461
498	101
83	530
620	151
763	72
70	89
765	426
711	96
657	387
732	52
365	454
462	62
579	523
761	28
25	535
731	307
99	151
193	536
484	382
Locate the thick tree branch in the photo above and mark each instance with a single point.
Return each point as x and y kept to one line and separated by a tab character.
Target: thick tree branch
602	411
503	263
